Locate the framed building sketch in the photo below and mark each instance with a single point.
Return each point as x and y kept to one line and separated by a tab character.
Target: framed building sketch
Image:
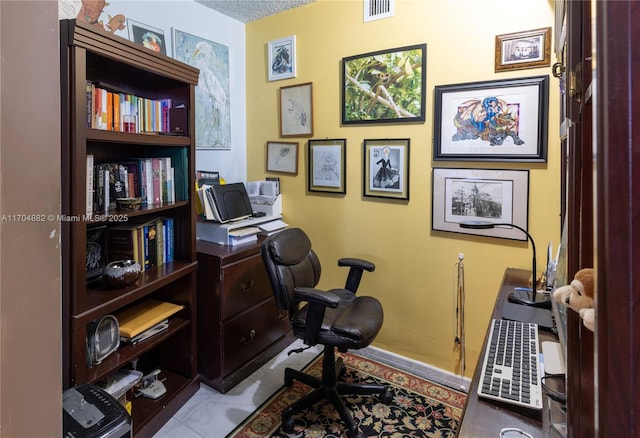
281	62
213	107
147	36
520	50
480	195
282	157
327	166
386	168
387	86
296	110
492	120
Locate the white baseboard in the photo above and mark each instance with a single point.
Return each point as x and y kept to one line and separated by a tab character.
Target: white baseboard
420	369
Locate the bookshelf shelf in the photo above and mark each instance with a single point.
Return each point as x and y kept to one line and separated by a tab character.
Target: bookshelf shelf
92	58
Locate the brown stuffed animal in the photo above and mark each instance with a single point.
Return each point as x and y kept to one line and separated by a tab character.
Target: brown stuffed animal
578	295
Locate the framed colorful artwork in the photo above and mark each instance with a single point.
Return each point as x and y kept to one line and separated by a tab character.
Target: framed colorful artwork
282	58
520	50
147	36
327	166
282	157
213	107
296	110
386	168
480	195
387	86
492	120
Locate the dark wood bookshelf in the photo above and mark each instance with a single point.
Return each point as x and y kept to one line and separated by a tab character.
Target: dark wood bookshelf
90	54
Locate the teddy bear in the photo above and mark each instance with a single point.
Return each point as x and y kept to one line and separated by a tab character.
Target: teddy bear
578	295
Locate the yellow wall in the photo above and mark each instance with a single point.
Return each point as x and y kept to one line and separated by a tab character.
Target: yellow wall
415	267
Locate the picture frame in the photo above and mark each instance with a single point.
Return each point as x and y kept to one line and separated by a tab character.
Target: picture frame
386	168
521	50
147	36
484	195
281	58
282	157
327	165
296	110
492	120
386	86
212	97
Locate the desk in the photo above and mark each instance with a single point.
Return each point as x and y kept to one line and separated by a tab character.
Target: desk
483	418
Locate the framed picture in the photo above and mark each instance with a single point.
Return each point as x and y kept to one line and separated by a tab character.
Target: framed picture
486	195
492	120
296	110
386	168
520	50
387	86
212	104
327	166
282	58
147	36
282	156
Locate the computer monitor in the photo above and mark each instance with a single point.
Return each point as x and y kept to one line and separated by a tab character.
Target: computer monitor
230	202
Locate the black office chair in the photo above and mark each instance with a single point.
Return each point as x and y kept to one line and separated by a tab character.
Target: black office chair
335	318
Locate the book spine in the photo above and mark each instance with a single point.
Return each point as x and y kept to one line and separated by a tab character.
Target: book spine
171	242
157	190
148	169
122	242
159	243
89	93
90	179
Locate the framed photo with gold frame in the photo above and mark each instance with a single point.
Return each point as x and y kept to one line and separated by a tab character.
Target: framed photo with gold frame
296	110
520	50
328	166
386	168
282	157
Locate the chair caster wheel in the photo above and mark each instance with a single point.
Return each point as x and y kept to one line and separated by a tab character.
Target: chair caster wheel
288	424
288	381
387	396
356	434
343	370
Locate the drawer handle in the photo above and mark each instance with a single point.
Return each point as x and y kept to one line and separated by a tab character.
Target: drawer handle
245	287
282	316
245	341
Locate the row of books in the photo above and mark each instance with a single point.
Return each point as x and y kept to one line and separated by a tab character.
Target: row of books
111	109
151	179
150	243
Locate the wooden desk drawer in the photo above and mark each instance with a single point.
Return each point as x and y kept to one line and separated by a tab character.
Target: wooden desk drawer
251	332
244	284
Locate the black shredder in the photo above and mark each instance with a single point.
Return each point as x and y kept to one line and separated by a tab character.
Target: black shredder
90	412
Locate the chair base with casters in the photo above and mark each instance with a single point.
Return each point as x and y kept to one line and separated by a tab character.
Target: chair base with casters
329	388
335	318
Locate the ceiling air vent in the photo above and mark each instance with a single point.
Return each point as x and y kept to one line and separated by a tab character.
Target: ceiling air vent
377	9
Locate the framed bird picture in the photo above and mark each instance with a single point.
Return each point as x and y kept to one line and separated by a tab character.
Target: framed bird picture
296	110
213	109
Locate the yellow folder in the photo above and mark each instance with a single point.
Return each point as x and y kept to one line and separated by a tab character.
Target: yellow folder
138	318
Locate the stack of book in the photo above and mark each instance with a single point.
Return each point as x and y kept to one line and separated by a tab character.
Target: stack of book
149	243
239	236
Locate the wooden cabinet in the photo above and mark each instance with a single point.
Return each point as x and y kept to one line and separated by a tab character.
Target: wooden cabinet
90	55
239	325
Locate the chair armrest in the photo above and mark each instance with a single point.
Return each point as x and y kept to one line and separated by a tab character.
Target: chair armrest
357	266
318	301
316	296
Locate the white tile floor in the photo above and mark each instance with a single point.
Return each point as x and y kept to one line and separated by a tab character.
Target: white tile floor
210	414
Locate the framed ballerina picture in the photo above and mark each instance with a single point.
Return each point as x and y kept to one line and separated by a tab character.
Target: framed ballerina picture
386	168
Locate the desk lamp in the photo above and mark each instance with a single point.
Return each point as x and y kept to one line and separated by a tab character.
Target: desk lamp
525	296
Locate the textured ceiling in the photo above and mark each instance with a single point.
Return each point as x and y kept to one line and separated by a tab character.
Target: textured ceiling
250	10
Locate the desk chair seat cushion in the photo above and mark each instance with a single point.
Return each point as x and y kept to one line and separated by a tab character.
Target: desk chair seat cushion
353	324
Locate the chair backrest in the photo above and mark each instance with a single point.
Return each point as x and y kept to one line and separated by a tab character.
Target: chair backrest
290	262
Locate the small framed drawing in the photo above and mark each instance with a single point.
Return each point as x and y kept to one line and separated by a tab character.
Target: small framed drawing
282	157
485	195
520	50
147	36
492	120
387	86
282	58
296	110
386	168
327	166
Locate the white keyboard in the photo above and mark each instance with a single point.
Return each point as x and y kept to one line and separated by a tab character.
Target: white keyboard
511	369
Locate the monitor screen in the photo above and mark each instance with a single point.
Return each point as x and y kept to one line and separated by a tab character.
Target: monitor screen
230	201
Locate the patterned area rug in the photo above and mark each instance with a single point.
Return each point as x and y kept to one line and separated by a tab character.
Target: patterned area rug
420	408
